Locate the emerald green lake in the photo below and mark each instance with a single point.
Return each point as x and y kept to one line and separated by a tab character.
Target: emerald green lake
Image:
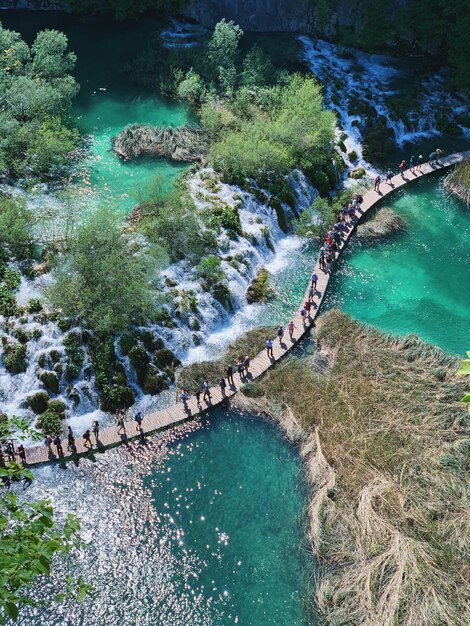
203	526
415	282
108	101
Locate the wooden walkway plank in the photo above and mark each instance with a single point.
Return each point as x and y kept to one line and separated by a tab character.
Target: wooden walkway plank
177	414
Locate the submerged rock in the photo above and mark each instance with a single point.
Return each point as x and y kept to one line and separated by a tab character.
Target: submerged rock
184	143
386	222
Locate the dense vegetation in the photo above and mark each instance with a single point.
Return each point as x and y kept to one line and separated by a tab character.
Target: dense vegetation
36	90
261	121
438	30
385	441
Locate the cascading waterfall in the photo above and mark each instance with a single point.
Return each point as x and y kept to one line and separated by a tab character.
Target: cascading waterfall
201	333
356	81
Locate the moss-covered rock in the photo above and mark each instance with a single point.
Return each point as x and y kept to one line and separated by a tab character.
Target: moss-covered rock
34	305
20	334
221	292
38	401
360	172
165	358
50	380
42	360
154	384
275	204
140	362
57	406
14	356
71	372
259	290
126	342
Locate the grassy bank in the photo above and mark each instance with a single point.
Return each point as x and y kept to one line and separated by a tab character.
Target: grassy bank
386	446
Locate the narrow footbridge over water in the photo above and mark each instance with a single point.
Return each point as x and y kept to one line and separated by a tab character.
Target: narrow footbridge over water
179	413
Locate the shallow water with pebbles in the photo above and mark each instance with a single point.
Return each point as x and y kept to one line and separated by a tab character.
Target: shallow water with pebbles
202	525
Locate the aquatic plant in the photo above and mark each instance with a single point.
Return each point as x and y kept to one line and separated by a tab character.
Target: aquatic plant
184	143
385	222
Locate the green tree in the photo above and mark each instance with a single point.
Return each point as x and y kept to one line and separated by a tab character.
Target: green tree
50	58
191	88
36	91
15	227
50	145
108	279
223	48
257	68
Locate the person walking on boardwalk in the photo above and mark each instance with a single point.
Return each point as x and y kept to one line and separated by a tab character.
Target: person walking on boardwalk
377	184
303	315
412	164
402	167
307	307
280	333
121	427
314	281
96	429
71	441
311	294
207	392
246	363
389	177
229	375
87	439
222	385
184	397
21	453
58	445
269	348
198	397
47	442
138	421
291	326
241	367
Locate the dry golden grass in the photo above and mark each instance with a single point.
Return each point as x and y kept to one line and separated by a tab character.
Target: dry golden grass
386	445
458	181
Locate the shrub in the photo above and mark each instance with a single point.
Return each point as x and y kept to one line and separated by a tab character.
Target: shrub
50	423
34	305
38	401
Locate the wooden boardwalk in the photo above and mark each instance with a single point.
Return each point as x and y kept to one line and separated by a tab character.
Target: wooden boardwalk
177	414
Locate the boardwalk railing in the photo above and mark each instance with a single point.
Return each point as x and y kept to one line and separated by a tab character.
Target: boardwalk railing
179	413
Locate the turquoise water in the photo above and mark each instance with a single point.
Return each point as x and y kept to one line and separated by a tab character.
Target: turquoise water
203	526
107	101
416	282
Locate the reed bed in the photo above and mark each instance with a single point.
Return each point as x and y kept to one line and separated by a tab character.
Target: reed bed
458	181
184	143
385	222
386	443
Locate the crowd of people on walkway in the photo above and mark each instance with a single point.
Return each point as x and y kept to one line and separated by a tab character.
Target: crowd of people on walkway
328	253
415	166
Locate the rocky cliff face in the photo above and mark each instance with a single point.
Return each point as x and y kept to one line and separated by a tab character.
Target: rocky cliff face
253	15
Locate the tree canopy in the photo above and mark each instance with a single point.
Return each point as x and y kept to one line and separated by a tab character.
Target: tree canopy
107	278
36	91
